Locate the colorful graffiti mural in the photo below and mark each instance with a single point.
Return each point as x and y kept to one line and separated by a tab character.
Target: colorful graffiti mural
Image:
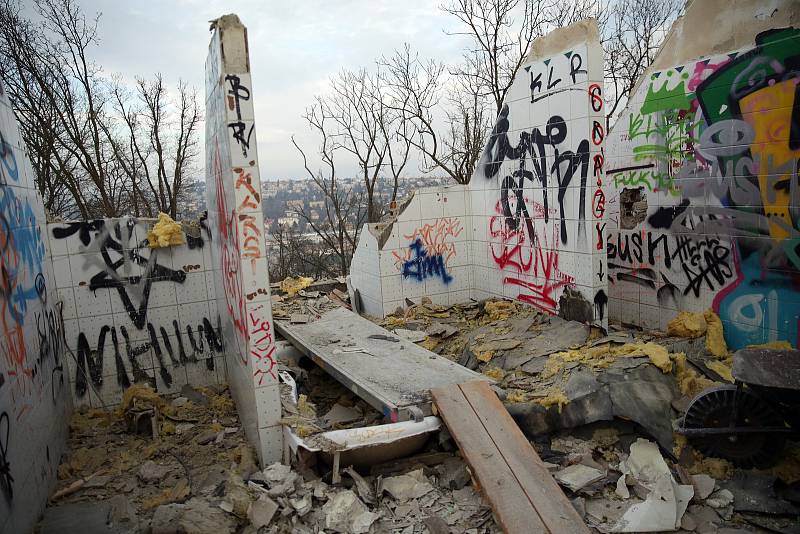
714	144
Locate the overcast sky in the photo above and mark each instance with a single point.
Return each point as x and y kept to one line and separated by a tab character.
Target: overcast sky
295	46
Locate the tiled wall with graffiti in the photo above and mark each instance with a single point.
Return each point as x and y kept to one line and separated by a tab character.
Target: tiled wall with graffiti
134	313
531	223
423	251
34	398
703	169
537	197
239	247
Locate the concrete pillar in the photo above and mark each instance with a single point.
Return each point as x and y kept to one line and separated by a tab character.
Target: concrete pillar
233	187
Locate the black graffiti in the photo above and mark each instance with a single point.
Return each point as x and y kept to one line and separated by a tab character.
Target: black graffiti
50	331
116	237
93	359
9	161
664	217
6	480
84	229
705	261
600	302
239	92
2	379
575	67
41	287
533	144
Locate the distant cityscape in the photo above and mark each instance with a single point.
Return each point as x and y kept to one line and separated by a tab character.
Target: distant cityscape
284	199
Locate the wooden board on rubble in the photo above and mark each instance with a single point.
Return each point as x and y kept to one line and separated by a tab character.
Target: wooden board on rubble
512	477
387	371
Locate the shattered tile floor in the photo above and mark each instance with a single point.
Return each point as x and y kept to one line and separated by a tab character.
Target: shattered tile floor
599	409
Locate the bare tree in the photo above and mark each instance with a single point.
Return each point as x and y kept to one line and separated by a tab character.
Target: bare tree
77	126
634	33
344	209
448	136
294	254
502	32
161	144
359	122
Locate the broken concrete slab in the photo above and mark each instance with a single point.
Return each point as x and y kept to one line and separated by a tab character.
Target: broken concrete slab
261	511
557	336
409	486
414	336
77	518
578	476
339	414
703	485
151	472
345	513
196	515
752	492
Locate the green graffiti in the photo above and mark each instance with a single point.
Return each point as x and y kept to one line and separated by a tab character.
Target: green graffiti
665	99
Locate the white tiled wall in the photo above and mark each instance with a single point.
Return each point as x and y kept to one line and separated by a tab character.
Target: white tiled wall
159	301
484	256
34	402
239	247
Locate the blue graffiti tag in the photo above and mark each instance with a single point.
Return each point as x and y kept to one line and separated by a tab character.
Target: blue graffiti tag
423	266
22	252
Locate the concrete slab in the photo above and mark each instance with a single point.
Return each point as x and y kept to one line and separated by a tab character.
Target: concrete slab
392	375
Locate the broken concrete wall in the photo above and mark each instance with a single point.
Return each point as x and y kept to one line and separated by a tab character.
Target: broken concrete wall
239	254
134	313
424	250
34	402
702	172
537	195
531	223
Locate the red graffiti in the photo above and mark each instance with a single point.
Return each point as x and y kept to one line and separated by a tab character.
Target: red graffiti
596	97
229	252
262	347
599	203
436	239
598	133
538	260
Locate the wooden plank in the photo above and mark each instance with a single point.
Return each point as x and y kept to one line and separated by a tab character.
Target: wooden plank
510	503
544	493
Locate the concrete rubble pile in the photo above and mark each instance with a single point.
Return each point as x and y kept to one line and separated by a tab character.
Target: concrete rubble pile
600	410
198	474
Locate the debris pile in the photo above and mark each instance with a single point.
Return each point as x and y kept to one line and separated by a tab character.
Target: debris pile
620	482
198	474
313	402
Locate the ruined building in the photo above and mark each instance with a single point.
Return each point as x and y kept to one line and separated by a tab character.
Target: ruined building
687	203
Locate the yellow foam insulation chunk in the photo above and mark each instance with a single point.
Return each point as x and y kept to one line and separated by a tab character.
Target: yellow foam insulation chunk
658	356
690	381
722	368
516	395
165	233
430	343
715	338
142	393
716	468
495	373
291	286
778	345
687	324
485	356
555	397
498	310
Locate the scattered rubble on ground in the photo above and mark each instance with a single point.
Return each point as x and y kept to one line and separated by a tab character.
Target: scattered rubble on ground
200	475
601	409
